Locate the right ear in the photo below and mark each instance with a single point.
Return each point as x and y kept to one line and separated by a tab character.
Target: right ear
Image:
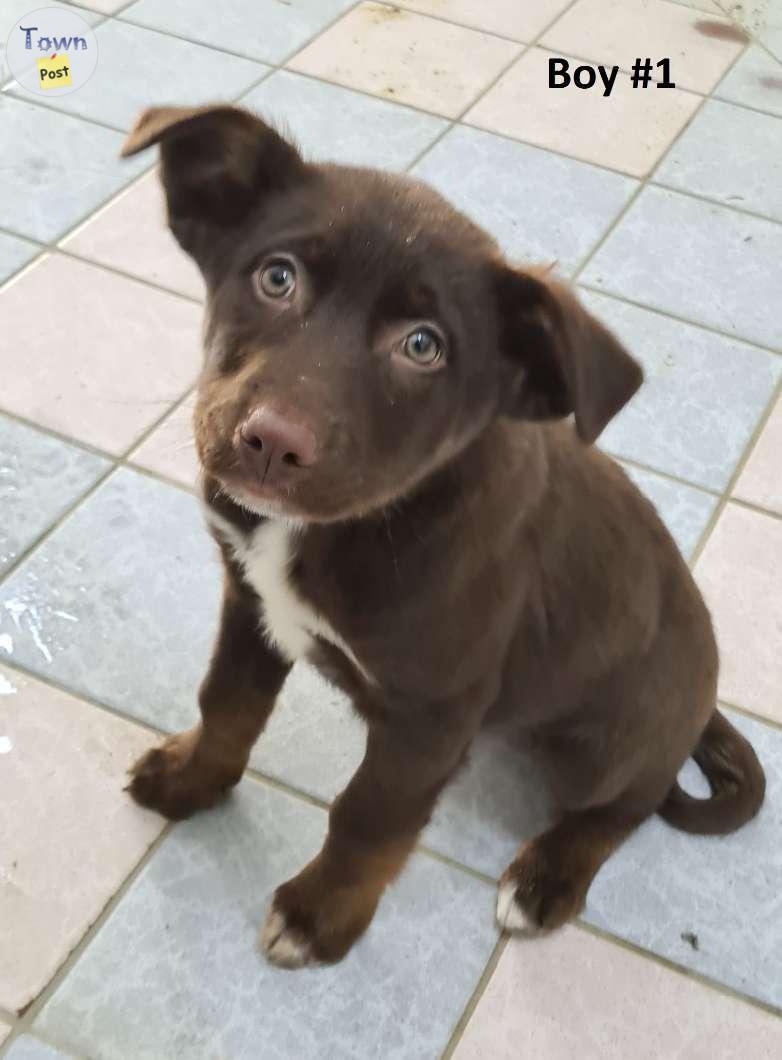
217	163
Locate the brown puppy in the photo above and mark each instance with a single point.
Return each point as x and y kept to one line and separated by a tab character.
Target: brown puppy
390	504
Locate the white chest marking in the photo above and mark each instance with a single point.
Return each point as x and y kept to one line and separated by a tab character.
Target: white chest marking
265	555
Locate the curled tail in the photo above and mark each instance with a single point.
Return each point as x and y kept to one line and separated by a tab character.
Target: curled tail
735	777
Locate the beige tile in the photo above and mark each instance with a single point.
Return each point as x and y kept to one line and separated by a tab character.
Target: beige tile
509	18
407	57
628	130
92	354
5	1030
131	234
761	480
170	449
740	573
620	31
70	833
574	995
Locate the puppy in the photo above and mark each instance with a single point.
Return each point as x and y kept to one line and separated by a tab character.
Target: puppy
398	497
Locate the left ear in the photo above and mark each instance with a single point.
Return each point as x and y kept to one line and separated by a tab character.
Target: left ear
563	360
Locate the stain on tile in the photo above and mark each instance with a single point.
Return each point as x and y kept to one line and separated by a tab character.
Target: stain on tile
715	30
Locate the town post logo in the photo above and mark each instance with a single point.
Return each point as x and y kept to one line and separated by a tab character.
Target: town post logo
52	51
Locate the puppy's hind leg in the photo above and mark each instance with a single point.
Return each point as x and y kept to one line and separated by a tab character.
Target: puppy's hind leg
547	882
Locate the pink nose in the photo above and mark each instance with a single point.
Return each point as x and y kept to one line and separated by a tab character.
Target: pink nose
273	447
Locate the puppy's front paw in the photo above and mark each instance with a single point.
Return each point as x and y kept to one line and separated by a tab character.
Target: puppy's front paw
172	780
537	893
314	919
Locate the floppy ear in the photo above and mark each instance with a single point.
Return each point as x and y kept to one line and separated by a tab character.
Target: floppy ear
217	163
568	361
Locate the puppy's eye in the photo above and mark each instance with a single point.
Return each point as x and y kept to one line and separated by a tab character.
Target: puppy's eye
423	347
277	279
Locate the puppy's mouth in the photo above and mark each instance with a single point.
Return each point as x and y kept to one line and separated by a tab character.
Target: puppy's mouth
270	500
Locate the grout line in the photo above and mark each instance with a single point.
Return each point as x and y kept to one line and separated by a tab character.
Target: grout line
458	866
287	789
726	495
14	91
619	458
128	20
673	966
713	201
475	997
764	719
119	461
739	103
76	693
57	248
750	506
26	1019
270	63
677	317
65	252
51	432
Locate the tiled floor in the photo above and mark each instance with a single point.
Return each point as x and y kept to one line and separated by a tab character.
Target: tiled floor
123	939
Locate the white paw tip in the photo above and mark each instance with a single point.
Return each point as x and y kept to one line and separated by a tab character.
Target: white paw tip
281	945
510	915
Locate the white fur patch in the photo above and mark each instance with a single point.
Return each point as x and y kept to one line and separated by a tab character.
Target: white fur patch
510	915
265	555
281	945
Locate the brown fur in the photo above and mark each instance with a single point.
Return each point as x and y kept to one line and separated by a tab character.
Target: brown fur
478	559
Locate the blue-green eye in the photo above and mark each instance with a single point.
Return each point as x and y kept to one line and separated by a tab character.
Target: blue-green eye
277	279
423	347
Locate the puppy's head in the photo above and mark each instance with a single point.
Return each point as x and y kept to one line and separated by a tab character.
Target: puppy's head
360	332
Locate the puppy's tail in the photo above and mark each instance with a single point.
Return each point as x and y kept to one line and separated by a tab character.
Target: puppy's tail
735	777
